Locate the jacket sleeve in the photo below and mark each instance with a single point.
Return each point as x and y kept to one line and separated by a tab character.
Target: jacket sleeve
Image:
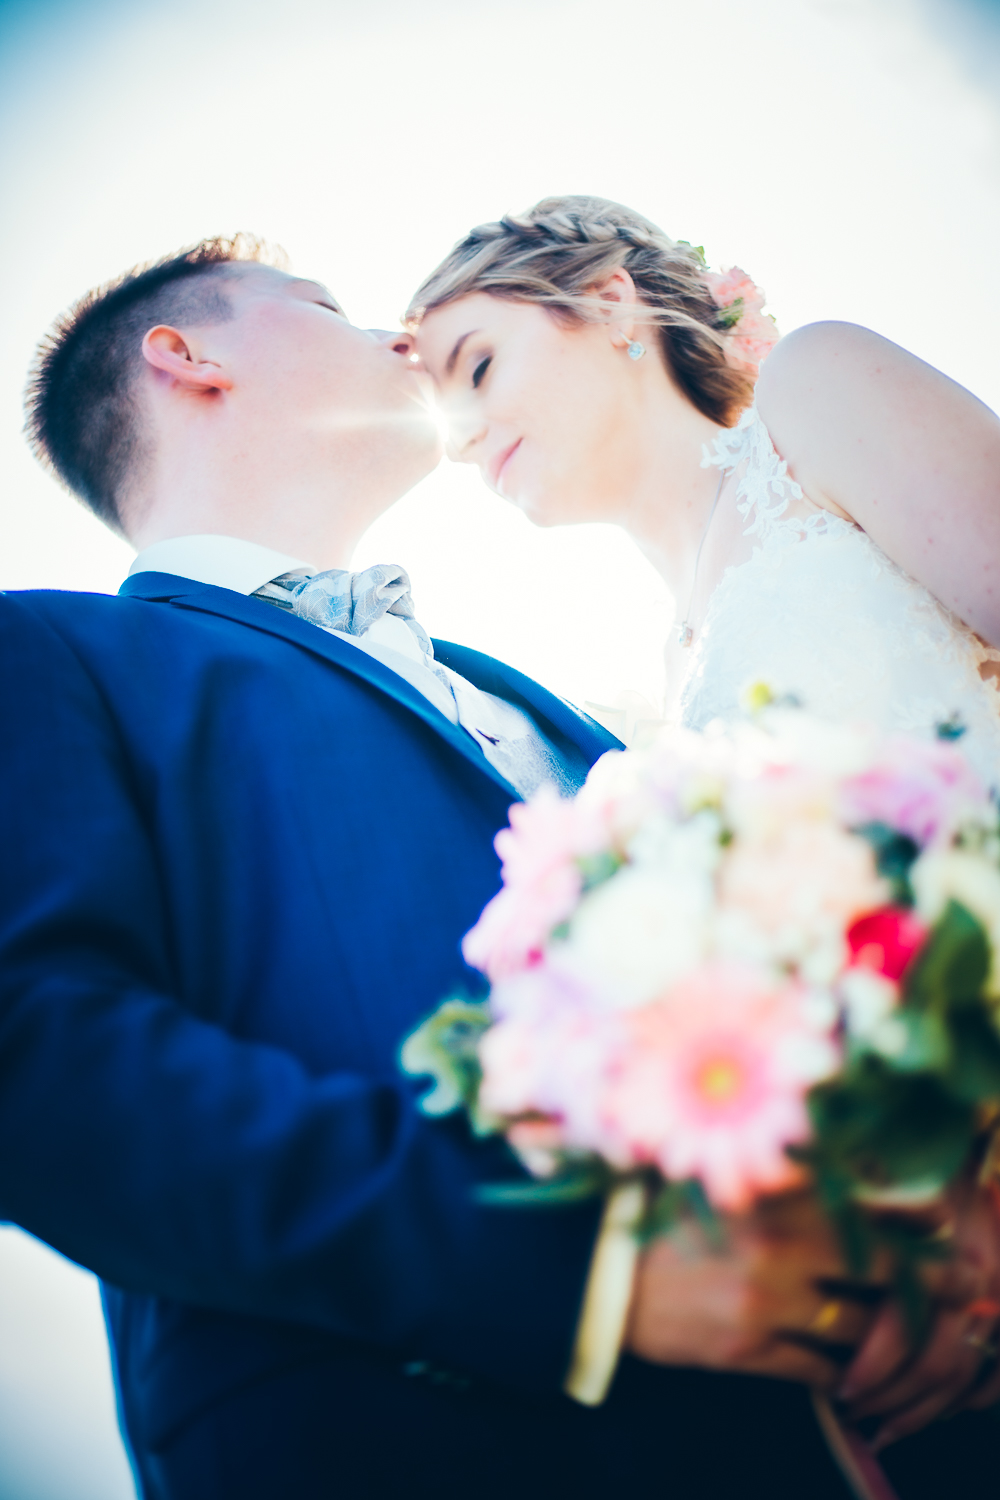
173	1158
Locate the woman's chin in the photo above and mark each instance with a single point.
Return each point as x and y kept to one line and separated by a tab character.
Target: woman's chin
547	509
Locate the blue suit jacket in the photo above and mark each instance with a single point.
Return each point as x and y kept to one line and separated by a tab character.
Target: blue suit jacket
239	858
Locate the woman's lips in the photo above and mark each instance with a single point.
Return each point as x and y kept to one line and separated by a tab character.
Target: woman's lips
498	464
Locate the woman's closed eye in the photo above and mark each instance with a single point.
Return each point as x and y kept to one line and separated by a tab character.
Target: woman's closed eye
479	372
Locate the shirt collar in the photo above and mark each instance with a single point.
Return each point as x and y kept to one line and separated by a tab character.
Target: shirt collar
228	562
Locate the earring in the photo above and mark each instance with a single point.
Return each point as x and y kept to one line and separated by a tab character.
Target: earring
634	349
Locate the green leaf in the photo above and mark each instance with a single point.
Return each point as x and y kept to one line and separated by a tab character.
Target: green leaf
925	1042
711	1225
699	250
952	969
574	1184
664	1211
876	1128
894	854
729	317
446	1048
675	1202
595	869
974	1075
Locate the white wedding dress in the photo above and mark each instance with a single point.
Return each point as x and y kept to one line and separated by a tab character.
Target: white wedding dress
818	611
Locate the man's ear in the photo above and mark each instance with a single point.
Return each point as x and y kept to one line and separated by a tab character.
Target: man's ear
167	350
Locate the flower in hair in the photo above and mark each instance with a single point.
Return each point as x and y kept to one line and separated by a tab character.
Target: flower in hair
753	332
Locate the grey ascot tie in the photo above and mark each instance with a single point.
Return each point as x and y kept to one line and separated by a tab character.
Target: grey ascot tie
352	602
341	600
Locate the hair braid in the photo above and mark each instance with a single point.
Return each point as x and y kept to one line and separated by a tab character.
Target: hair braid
558	251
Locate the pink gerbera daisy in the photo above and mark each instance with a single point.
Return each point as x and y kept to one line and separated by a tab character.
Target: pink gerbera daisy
712	1082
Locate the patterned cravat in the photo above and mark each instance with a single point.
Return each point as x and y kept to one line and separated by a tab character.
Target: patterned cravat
352	602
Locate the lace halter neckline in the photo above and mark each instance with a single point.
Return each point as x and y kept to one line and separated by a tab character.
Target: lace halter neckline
766	489
819	612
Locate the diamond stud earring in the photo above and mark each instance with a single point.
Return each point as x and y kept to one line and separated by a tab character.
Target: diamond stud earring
634	349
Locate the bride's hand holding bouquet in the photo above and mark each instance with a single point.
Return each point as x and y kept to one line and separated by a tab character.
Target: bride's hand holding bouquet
749	978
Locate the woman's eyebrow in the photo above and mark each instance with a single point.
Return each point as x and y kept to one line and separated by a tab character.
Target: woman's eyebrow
453	356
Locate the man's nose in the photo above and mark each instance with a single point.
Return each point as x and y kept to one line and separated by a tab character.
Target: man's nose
398	342
465	430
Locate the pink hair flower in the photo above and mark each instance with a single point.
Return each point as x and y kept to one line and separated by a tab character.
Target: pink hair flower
753	333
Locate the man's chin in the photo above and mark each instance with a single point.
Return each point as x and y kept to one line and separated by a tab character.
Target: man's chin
423	460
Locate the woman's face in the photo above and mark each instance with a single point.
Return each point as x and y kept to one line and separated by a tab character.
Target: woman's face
545	410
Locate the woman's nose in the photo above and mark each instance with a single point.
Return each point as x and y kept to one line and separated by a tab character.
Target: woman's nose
399	342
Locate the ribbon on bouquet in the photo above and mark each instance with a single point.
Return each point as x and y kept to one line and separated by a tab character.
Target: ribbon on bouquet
857	1462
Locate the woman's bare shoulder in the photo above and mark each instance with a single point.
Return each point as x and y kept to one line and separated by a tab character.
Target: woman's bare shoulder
839	362
874	432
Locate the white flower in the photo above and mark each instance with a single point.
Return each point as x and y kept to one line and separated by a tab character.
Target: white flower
640	931
869	1001
959	875
797	891
679	850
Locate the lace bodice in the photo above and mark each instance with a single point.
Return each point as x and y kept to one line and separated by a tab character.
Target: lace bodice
820	612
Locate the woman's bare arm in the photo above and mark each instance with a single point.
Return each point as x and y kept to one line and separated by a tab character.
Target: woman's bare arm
873	432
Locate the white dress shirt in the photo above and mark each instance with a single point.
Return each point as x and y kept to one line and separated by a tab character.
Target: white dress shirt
507	736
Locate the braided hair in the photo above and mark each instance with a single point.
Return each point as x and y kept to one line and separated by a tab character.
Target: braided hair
558	251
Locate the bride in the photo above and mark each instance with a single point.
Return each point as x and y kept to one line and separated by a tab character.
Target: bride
832	530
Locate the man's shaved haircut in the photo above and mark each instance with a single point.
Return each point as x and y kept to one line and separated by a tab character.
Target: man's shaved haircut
84	420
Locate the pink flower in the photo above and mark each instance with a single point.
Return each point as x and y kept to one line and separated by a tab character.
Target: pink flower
548	1052
798	889
539	1143
732	286
886	940
712	1081
924	789
541	879
754	332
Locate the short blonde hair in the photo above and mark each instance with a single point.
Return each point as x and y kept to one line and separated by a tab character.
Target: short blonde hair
558	251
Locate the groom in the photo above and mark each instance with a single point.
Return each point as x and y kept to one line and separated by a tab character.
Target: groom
251	813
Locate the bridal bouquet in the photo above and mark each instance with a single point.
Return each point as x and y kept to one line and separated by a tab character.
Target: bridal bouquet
735	963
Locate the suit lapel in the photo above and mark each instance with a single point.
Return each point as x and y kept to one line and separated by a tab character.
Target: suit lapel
229	605
493	676
486	673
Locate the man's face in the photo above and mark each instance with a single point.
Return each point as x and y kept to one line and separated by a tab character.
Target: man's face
299	363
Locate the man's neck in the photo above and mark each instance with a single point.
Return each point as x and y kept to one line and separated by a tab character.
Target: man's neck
302	510
298	527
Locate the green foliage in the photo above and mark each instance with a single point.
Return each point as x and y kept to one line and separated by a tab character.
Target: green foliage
587	1177
595	869
729	316
674	1202
951	971
877	1129
446	1048
698	250
894	854
899	1126
974	1074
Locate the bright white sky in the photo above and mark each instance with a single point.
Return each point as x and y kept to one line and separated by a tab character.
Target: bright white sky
838	151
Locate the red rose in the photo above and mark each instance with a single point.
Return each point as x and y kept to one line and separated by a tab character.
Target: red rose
886	940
